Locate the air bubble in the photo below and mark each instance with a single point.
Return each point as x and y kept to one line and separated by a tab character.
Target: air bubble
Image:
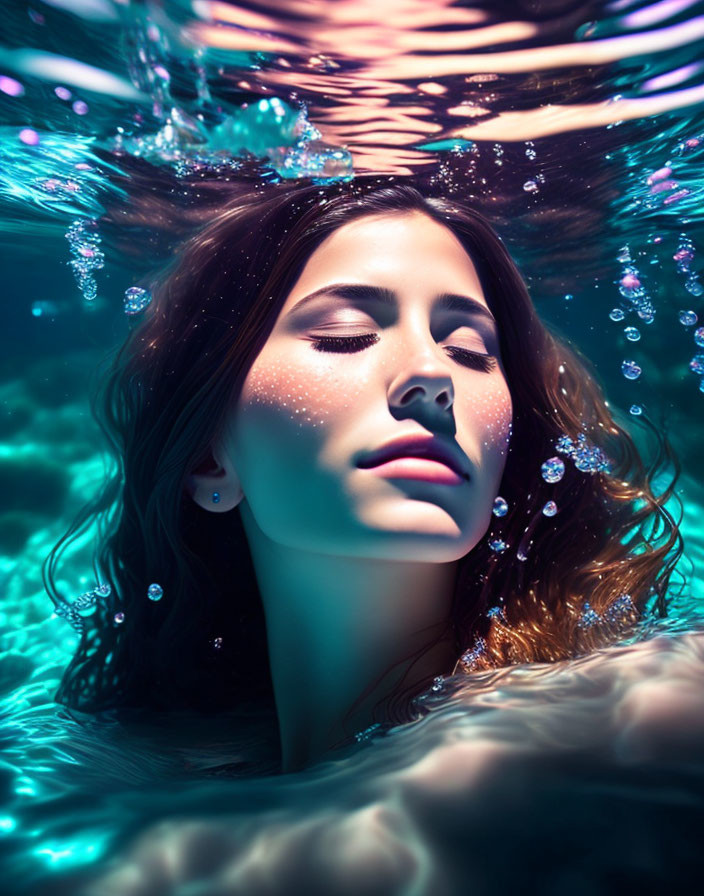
630	370
688	318
696	365
136	300
155	592
553	470
550	509
500	507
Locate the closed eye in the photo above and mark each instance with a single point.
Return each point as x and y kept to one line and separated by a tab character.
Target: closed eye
475	360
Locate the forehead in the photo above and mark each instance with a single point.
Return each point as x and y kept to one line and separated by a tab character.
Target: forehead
408	252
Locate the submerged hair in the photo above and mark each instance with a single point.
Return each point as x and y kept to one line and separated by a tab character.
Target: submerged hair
557	591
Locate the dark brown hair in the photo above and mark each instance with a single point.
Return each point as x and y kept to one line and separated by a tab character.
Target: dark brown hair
165	396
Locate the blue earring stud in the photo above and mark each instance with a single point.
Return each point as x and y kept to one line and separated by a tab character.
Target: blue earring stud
216	497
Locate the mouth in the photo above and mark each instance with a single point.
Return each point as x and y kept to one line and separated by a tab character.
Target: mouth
427	469
418	456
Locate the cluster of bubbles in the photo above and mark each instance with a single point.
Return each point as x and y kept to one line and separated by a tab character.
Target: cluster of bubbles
84	243
367	734
696	365
632	289
637	299
201	133
81	606
620	609
86	603
683	258
663	189
470	657
587	457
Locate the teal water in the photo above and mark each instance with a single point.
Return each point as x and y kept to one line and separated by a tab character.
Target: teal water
578	129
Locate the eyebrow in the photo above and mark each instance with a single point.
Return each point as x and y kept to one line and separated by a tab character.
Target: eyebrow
448	301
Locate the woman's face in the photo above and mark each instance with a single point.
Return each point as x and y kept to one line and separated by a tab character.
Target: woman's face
308	414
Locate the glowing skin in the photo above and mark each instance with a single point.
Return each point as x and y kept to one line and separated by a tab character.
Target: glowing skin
352	564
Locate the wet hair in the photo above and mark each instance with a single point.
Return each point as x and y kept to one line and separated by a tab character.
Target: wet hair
165	397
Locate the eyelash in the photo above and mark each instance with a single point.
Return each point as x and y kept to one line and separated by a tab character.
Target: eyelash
476	360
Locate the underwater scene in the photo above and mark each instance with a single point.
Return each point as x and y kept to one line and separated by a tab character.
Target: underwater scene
576	130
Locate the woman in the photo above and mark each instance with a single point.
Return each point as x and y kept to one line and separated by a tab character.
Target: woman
307	335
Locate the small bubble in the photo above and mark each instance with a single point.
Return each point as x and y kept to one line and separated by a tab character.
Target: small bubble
696	365
617	314
632	334
530	186
136	300
550	509
119	618
694	286
155	592
699	337
636	410
688	318
500	507
568	297
497	545
630	370
80	108
63	93
553	470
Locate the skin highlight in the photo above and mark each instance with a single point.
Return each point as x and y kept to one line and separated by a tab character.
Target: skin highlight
357	570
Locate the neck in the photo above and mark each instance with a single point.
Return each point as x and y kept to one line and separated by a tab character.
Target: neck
344	628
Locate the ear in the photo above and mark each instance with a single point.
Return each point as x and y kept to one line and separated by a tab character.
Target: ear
214	484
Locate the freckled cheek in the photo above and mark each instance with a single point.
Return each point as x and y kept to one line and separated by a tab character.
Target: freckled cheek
487	415
307	393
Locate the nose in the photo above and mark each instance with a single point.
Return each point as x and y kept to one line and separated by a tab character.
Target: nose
424	379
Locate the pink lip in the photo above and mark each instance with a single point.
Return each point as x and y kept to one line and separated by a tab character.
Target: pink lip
418	468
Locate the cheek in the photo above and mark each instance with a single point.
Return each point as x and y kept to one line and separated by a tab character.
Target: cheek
488	413
304	394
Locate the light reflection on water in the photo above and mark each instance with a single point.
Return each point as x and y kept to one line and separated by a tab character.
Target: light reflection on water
587	104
